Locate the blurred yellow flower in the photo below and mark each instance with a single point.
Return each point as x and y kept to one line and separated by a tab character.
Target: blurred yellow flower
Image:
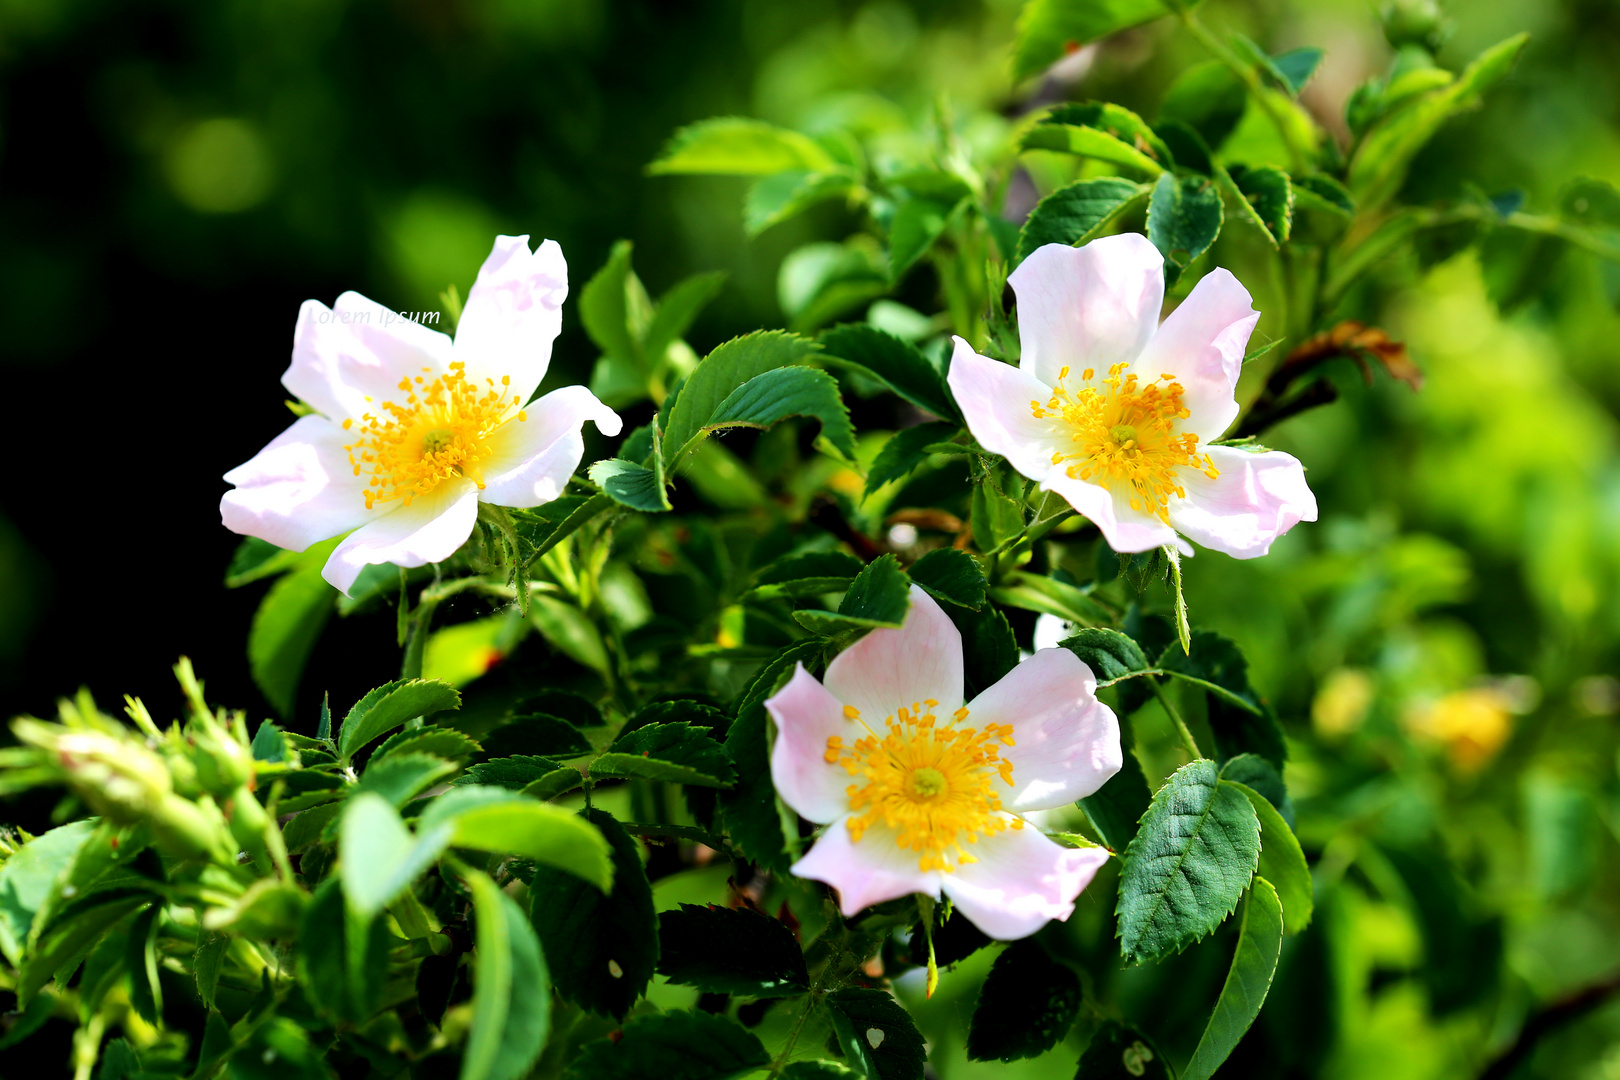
1471	725
1342	702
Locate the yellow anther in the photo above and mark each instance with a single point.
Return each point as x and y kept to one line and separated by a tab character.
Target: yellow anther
851	713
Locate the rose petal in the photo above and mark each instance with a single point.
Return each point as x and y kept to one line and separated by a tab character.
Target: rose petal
513	314
428	530
299	490
888	669
1126	530
533	458
1066	742
865	873
1091	306
806	715
1202	345
1021	881
348	360
1257	498
995	400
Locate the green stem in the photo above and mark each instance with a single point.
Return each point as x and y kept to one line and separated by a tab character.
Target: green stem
1251	81
1187	740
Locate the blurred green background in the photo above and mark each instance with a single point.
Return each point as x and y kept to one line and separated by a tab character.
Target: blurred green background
175	177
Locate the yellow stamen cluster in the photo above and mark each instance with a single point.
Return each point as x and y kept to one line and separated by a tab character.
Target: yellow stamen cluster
441	430
932	783
1124	431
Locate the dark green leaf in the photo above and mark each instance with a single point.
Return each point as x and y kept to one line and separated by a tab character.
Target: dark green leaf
441	742
879	596
538	735
207	963
1326	190
918	222
1049	30
278	1049
725	369
632	485
323	946
1184	218
402	777
877	1035
1089	142
141	961
678	1045
736	146
513	773
1025	1007
1262	776
1117	1052
897	364
1193	855
730	951
1079	213
1110	654
309	826
955	938
1241	731
601	947
1215	664
989	648
1247	983
268	745
1119	804
1281	860
677	753
771	397
1296	66
285	628
950	575
71	934
819	1070
995	516
809	574
1209	98
1269	191
678	711
511	1006
1462	946
905	452
391	705
256	559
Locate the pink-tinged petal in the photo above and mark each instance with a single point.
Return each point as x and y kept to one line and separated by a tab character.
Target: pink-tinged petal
1066	742
428	530
513	314
298	490
1257	498
533	458
995	400
1021	881
1125	529
888	669
806	716
1090	306
359	350
868	872
1202	345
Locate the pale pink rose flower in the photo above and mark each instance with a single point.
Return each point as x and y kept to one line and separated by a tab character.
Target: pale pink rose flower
922	793
1116	412
412	430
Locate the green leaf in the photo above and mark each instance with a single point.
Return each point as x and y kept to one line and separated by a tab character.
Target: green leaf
256	559
601	947
995	516
308	826
268	745
502	823
950	575
324	946
1184	218
606	308
1079	213
141	960
1281	860
771	397
1264	777
879	596
823	281
1115	120
538	735
1117	1052
1269	192
29	878
989	648
1048	30
905	451
723	371
1215	664
1207	97
730	951
897	364
71	934
1026	1005
776	198
1193	855
808	574
633	485
285	627
549	524
207	963
678	1045
819	1070
391	705
1036	592
441	742
877	1036
1088	142
380	857
1296	66
917	223
278	1049
1247	983
677	753
401	778
512	773
1116	807
736	146
1378	167
1110	654
511	1005
677	309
